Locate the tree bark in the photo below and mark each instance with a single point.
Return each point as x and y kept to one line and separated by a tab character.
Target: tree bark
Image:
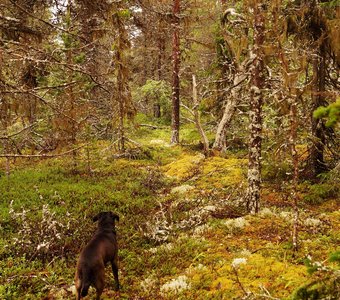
229	111
197	117
295	159
175	81
318	165
256	100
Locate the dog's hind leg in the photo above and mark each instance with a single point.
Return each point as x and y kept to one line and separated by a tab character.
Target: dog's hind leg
114	265
99	282
78	294
78	285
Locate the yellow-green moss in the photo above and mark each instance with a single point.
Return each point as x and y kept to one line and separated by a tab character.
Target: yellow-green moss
279	278
302	151
185	167
218	172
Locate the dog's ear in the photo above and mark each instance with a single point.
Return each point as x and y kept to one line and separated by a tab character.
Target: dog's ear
114	216
97	217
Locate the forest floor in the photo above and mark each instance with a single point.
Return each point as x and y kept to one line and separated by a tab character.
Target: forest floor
182	233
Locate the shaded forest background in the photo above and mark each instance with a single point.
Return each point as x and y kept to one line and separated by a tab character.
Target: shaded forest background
247	87
74	72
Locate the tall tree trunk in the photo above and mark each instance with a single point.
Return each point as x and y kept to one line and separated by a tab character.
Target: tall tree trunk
220	138
318	99
121	93
197	117
256	100
4	110
175	80
72	113
295	160
161	50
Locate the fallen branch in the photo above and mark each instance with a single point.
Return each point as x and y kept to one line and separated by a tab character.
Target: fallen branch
17	133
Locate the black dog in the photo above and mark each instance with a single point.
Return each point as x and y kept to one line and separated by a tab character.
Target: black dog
101	249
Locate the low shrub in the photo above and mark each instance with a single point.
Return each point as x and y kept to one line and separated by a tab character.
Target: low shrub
317	193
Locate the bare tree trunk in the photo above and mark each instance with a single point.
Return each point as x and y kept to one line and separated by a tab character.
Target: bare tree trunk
229	111
120	98
175	82
161	50
295	159
256	100
156	110
318	129
220	138
4	119
121	93
73	128
197	117
7	150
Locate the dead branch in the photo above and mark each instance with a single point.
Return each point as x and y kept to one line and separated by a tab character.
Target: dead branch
17	133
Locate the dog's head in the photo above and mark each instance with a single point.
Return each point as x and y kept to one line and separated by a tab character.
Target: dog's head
106	218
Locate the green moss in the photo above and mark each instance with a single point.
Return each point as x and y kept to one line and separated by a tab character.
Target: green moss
185	167
218	172
279	278
134	188
317	193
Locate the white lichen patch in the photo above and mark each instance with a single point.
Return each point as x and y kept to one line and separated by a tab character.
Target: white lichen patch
238	261
266	212
164	247
192	270
199	230
287	216
148	283
245	252
209	208
236	224
159	143
176	285
311	222
182	189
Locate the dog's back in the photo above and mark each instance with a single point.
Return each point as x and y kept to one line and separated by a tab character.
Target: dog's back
101	249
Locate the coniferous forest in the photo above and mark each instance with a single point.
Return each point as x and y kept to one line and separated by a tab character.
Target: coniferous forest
209	128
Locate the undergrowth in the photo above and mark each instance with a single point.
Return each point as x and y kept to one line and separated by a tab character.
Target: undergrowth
183	233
